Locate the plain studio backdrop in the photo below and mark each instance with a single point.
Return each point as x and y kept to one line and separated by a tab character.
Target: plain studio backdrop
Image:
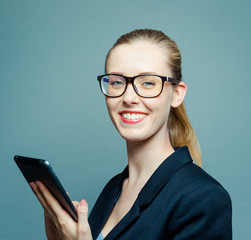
51	106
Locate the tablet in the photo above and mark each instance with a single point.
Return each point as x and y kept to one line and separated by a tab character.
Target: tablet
35	169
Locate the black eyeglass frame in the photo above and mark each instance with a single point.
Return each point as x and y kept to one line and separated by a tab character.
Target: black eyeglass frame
174	81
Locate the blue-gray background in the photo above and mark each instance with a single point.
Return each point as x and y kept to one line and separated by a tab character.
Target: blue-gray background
51	107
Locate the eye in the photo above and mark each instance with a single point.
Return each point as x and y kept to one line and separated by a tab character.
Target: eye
148	84
116	83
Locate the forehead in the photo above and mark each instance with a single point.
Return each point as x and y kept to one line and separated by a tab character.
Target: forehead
138	57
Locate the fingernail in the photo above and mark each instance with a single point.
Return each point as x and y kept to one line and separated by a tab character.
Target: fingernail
31	184
83	203
38	183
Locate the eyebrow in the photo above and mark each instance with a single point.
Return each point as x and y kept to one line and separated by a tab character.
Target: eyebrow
142	73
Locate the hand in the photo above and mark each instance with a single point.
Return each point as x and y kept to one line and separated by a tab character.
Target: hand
58	223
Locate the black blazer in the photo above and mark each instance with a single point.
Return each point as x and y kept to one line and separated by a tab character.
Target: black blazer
179	201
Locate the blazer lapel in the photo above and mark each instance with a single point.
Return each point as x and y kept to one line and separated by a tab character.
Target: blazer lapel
105	203
127	221
163	174
151	189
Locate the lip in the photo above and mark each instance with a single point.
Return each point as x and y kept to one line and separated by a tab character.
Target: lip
132	121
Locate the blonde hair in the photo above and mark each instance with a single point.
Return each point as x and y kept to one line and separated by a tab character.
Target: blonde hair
181	132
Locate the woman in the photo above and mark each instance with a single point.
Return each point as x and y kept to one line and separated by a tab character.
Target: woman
161	194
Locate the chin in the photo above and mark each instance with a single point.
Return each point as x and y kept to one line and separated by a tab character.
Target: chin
134	137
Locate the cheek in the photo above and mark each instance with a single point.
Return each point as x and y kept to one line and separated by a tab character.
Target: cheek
163	112
110	103
162	103
160	108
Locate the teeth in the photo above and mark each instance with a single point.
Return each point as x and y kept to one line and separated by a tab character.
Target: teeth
133	116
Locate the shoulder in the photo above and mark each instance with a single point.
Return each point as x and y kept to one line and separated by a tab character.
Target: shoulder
203	205
201	188
193	183
195	178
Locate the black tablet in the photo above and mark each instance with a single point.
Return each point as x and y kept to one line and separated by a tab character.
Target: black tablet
35	169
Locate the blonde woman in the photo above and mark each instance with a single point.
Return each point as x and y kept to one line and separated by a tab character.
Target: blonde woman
163	193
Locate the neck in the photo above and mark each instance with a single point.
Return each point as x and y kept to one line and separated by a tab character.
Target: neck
144	157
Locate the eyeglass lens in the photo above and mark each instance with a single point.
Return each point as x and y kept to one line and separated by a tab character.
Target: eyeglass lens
146	86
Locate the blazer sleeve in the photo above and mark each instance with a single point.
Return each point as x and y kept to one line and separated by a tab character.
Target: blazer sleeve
205	214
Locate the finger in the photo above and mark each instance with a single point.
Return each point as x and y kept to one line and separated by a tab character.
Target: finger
84	231
51	202
47	210
48	197
38	194
76	204
50	227
48	221
58	215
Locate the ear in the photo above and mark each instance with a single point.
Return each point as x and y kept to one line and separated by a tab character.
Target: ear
179	94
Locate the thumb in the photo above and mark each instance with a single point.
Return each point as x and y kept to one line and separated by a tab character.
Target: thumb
84	231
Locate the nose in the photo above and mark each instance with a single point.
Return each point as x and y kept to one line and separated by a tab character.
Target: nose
130	96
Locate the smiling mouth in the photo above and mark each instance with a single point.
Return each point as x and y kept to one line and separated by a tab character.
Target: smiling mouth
133	116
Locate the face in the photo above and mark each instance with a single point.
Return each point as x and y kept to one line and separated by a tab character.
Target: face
137	118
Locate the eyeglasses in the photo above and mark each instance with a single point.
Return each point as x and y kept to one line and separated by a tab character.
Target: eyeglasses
145	85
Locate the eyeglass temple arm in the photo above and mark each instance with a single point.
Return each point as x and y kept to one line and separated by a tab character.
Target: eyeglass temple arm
173	80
